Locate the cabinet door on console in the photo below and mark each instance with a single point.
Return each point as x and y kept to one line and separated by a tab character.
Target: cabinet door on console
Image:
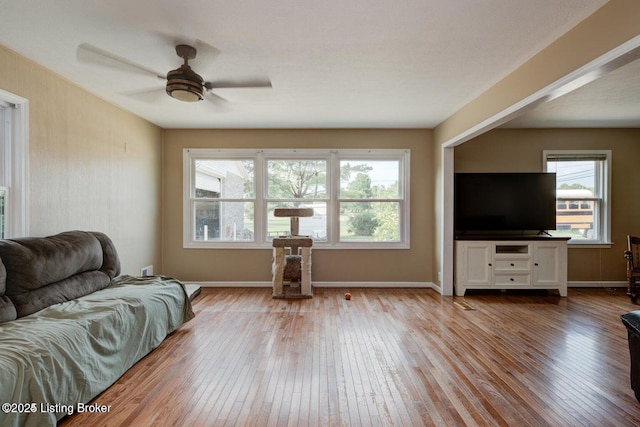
547	262
478	264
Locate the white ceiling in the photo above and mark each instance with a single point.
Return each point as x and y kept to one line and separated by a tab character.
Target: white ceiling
332	63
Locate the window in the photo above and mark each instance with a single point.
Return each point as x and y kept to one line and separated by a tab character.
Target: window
370	200
223	200
14	119
3	216
295	181
582	193
360	198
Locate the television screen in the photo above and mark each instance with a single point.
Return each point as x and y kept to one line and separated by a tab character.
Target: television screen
504	202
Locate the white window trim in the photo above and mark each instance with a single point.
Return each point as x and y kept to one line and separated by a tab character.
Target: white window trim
403	156
605	183
333	157
15	144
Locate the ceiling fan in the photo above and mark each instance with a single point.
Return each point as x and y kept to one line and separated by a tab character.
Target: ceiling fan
183	83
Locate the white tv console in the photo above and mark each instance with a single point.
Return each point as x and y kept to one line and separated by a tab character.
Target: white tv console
511	263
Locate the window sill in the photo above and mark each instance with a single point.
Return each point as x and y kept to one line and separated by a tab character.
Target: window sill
316	246
589	245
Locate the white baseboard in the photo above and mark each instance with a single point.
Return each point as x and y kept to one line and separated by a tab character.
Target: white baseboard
372	284
597	284
233	284
436	287
320	284
428	285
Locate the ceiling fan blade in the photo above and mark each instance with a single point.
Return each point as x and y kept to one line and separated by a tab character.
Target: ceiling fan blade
233	84
94	55
149	95
215	102
215	98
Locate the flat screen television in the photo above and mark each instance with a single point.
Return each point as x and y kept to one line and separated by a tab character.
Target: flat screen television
514	202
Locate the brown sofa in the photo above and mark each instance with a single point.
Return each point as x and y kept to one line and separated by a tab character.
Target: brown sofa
71	325
43	271
632	321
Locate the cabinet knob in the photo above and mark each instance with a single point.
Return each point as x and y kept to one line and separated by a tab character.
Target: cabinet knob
512	264
536	264
489	264
511	279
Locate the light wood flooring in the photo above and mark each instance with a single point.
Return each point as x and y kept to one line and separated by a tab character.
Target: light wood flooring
387	357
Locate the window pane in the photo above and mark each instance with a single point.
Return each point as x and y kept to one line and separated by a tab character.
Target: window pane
3	218
371	179
315	226
225	179
296	179
370	221
224	221
574	174
575	186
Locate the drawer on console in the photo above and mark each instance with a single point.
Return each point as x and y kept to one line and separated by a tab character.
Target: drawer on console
512	264
512	280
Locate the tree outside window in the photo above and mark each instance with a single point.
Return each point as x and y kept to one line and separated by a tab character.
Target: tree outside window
293	183
369	194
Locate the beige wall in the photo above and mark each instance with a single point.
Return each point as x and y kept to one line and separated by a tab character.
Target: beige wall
609	27
80	174
520	150
413	265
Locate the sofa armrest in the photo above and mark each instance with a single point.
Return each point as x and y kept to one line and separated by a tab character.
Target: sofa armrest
110	259
632	321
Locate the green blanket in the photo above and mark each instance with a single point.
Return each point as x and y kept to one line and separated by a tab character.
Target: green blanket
54	361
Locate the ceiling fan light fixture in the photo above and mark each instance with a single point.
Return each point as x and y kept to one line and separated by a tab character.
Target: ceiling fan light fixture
184	92
185	85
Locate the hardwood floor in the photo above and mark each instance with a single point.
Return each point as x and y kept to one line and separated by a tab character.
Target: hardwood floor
387	357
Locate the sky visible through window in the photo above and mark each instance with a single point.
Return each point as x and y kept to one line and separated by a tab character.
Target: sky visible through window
573	172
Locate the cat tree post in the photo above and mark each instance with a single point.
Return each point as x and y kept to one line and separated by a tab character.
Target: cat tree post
292	273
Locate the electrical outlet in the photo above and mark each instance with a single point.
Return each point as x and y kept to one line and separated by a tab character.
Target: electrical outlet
147	271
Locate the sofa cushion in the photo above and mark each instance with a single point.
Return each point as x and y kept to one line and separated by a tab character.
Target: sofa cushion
7	309
47	270
65	290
